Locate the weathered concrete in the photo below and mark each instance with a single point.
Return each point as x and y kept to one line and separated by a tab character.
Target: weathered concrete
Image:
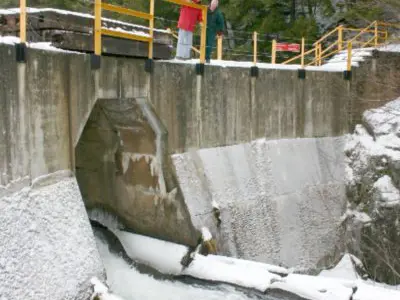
233	108
280	201
47	247
46	103
120	167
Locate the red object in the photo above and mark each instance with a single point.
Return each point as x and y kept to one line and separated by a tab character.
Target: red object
286	47
189	17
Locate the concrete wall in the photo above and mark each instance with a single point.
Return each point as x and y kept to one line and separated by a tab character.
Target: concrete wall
121	166
47	246
227	107
281	201
45	105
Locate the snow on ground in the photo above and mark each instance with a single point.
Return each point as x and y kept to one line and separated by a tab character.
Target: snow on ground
330	285
337	63
314	288
12	40
390	48
339	283
101	292
153	252
128	283
345	272
9	40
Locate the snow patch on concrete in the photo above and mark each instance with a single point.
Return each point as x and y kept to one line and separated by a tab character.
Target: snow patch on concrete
47	245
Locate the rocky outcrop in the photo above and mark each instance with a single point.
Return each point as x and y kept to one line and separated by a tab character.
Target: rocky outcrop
122	167
373	181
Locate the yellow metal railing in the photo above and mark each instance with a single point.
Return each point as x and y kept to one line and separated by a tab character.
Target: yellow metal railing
99	31
374	35
149	38
22	21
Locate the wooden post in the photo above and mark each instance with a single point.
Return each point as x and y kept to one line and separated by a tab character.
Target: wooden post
273	56
303	45
97	27
349	55
219	47
319	54
376	34
151	29
340	38
316	55
203	37
255	47
22	21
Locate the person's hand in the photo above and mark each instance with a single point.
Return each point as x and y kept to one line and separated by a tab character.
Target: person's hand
220	33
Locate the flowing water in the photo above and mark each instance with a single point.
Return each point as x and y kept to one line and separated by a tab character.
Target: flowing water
137	282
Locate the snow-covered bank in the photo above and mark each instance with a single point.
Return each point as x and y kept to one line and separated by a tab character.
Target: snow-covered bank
373	181
213	268
128	283
165	257
47	248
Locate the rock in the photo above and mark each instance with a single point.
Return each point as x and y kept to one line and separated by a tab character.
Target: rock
373	181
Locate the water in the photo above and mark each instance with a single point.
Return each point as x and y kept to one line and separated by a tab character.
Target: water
135	282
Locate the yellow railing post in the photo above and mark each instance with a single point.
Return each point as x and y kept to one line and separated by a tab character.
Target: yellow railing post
203	36
340	38
255	47
219	47
22	21
151	29
319	54
316	54
273	56
349	55
376	34
302	52
97	27
386	36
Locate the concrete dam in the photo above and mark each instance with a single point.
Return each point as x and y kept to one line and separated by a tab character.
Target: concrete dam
161	152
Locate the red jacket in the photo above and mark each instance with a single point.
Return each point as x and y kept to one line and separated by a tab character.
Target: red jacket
189	18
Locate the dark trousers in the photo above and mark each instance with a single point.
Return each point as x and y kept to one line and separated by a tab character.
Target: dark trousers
210	43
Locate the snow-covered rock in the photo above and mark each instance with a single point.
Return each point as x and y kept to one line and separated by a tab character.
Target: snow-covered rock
373	181
101	291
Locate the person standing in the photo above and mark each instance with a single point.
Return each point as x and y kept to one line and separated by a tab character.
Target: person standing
215	26
188	19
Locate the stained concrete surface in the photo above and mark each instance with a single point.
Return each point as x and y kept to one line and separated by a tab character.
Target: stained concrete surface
281	201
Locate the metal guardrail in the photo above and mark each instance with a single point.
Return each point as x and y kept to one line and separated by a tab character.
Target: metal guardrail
376	32
99	31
